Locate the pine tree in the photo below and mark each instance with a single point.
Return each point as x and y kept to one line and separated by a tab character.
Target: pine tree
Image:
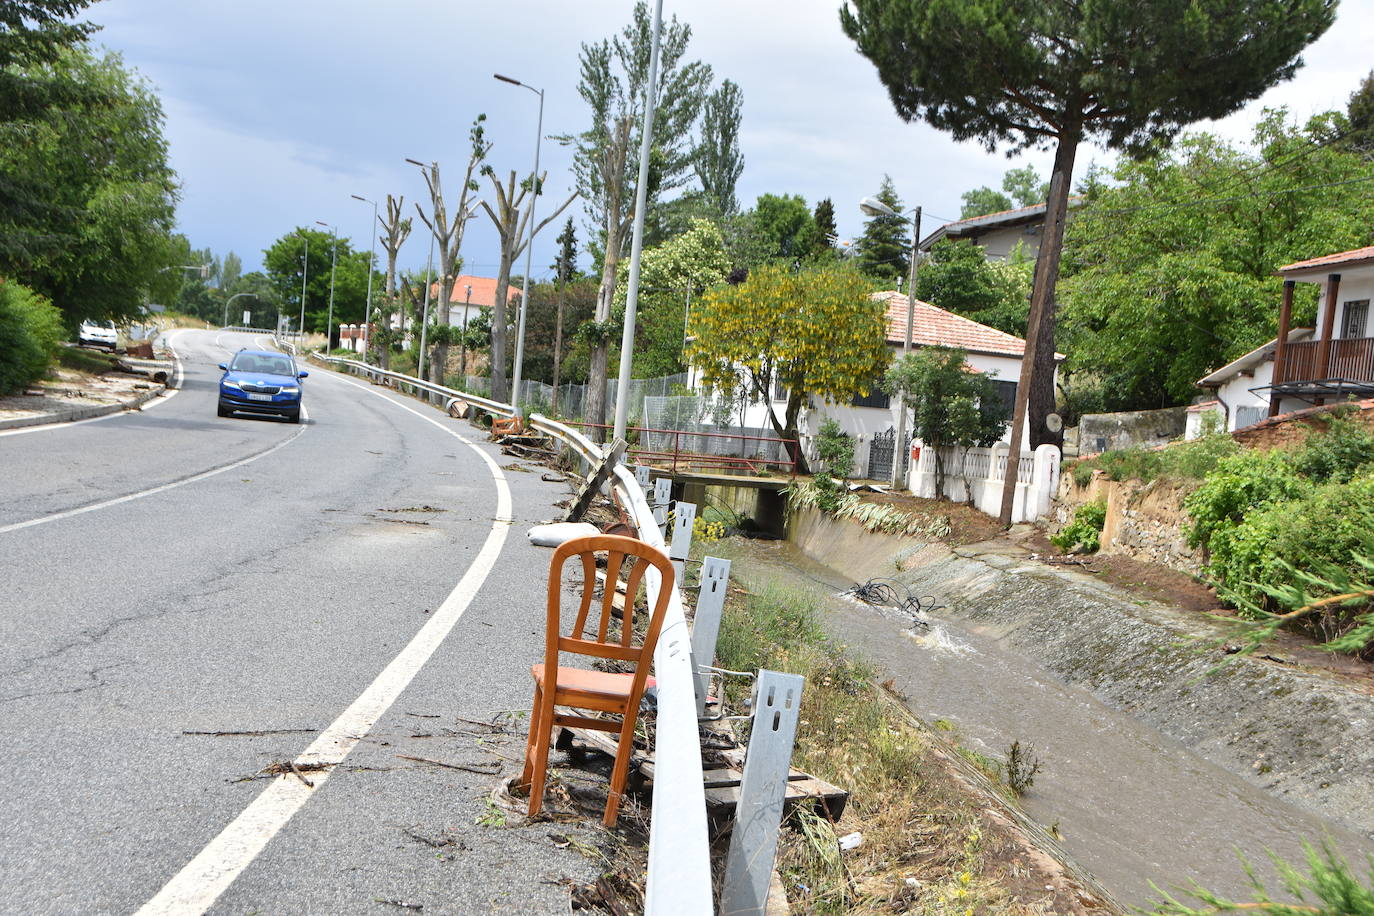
1360	112
885	247
1011	73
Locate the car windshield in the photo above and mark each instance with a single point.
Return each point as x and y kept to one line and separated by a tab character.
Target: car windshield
263	363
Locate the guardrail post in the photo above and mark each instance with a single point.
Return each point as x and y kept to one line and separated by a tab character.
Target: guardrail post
663	495
684	514
767	764
642	476
715	575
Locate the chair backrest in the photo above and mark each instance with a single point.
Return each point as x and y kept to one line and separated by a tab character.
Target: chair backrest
601	641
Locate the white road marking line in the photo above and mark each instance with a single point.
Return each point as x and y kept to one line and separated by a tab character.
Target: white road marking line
151	491
177	377
201	881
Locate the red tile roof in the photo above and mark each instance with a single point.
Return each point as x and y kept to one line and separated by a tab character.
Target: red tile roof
933	326
483	291
1355	256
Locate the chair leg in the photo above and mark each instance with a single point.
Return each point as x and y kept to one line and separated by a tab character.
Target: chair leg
528	773
621	771
541	735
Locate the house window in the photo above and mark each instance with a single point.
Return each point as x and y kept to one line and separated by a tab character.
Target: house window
779	392
1356	316
875	398
1006	393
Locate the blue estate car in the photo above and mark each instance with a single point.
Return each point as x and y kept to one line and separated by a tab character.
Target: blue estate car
261	383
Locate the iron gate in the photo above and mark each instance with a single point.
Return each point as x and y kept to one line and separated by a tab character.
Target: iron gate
880	455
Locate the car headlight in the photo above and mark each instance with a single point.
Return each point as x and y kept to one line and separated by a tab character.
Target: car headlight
229	383
291	389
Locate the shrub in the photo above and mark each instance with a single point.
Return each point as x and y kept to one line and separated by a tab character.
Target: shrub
30	334
1337	452
1237	486
1180	460
835	450
1086	529
1280	542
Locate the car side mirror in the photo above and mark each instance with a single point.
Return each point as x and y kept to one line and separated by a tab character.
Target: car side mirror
302	374
224	367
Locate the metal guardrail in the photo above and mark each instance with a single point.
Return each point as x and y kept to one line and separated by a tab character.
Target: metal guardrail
239	329
679	881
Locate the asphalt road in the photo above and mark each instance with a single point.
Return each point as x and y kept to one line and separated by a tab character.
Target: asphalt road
167	572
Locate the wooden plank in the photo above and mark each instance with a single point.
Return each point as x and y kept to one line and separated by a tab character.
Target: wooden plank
592	485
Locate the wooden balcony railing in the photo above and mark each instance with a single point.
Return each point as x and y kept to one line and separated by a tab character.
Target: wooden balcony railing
1351	359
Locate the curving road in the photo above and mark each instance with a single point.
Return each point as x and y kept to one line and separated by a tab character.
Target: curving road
168	572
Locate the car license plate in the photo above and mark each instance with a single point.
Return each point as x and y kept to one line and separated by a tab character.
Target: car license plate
259	397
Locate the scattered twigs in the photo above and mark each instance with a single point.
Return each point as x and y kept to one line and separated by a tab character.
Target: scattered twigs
481	769
259	733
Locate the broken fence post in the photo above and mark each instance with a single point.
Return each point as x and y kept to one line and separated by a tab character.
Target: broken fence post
595	478
684	514
715	575
767	764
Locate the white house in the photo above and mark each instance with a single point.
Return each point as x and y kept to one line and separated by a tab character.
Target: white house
1303	367
998	234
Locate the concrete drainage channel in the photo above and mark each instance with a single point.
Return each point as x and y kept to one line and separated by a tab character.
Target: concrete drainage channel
1156	767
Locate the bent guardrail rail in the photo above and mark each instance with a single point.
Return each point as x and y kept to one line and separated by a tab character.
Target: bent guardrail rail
679	853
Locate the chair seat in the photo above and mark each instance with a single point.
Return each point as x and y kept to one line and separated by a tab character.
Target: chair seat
584	682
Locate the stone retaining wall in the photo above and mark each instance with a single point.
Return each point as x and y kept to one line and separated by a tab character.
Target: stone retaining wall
1145	521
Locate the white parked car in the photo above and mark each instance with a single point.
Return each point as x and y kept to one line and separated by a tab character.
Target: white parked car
97	334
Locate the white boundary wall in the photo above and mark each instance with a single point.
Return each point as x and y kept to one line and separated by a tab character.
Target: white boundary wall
985	469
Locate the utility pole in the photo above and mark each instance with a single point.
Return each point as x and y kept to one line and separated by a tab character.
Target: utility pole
463	356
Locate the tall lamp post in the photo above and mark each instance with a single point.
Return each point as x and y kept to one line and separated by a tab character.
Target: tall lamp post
225	322
367	319
872	206
529	246
305	266
627	338
333	263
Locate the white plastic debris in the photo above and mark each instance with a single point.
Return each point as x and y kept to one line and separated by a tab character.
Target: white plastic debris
851	840
559	532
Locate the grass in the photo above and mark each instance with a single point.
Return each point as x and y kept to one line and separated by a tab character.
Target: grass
1186	461
93	362
924	849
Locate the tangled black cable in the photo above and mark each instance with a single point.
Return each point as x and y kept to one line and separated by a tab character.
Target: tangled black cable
890	592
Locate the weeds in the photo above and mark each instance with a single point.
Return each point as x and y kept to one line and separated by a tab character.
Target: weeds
875	517
1020	768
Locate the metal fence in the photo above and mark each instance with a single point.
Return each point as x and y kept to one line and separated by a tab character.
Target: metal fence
538	397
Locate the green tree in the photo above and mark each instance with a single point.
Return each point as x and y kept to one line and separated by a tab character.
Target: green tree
785	226
283	261
564	270
614	76
827	234
671	277
1169	273
717	159
1009	73
1025	187
1360	113
813	333
958	277
99	240
951	405
885	247
982	201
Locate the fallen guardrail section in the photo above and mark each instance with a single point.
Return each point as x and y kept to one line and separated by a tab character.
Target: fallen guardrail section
679	879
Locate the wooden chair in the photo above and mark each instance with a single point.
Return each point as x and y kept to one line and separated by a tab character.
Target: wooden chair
585	688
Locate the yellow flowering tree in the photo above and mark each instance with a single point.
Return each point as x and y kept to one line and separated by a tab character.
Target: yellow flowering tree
813	333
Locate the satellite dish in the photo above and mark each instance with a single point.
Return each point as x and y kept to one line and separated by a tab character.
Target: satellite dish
1053	422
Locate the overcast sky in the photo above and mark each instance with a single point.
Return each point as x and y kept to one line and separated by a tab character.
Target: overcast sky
277	112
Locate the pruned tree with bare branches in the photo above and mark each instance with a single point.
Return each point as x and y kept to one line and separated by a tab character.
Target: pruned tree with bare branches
510	216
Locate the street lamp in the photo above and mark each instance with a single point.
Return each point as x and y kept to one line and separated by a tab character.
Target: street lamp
627	338
529	246
333	262
225	322
367	320
872	206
